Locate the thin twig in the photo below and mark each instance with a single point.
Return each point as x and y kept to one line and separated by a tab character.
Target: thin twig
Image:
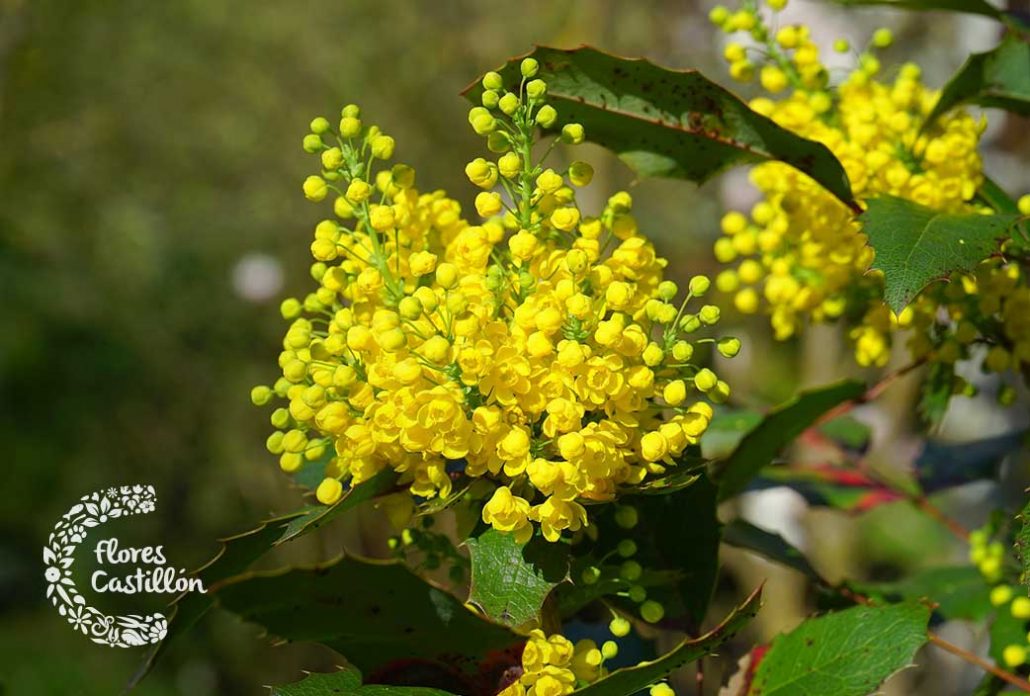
1013	679
871	393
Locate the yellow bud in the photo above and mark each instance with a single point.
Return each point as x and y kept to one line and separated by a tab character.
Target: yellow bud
573	133
493	80
509	165
529	67
382	147
381	217
508	104
549	181
546	116
447	275
675	392
315	188
580	173
488	204
358	191
350	126
705	380
565	219
332	158
329	491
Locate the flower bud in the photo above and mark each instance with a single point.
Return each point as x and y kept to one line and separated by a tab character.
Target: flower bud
573	133
350	126
580	174
490	99
382	147
315	188
729	346
536	90
546	116
529	67
312	143
509	165
508	104
329	491
332	158
319	125
493	81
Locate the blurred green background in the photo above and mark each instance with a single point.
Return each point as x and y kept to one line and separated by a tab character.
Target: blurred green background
151	219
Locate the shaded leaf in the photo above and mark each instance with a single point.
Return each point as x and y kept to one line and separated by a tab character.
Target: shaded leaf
370	612
959	591
511	581
999	78
944	465
847	431
779	427
318	515
936	393
673	123
916	245
347	682
846	653
629	680
726	431
744	535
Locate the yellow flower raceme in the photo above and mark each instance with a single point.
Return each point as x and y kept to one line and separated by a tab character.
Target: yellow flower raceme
539	349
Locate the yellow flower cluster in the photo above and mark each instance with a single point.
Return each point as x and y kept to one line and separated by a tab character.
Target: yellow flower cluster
553	666
988	556
540	349
800	254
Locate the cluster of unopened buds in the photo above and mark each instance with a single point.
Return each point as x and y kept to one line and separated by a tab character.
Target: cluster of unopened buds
988	555
540	349
800	254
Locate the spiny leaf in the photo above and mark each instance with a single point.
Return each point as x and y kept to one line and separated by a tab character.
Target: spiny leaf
371	612
999	78
347	682
630	680
318	515
510	581
672	123
776	431
847	653
239	552
916	245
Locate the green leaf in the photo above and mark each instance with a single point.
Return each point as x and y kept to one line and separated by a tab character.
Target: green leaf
1023	544
847	653
744	535
936	392
980	7
318	515
999	78
347	682
916	245
511	581
779	427
240	551
629	680
370	612
672	123
959	591
680	533
848	431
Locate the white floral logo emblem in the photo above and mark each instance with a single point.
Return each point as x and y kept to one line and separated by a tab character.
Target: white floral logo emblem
90	512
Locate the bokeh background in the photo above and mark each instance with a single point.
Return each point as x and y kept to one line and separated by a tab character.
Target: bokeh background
151	219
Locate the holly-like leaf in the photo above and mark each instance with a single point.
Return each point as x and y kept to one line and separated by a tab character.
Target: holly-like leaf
779	427
630	680
999	78
672	123
846	653
916	245
958	591
318	515
347	682
239	552
373	613
510	581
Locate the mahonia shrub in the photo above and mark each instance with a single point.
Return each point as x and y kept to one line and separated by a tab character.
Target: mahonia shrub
799	254
540	351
